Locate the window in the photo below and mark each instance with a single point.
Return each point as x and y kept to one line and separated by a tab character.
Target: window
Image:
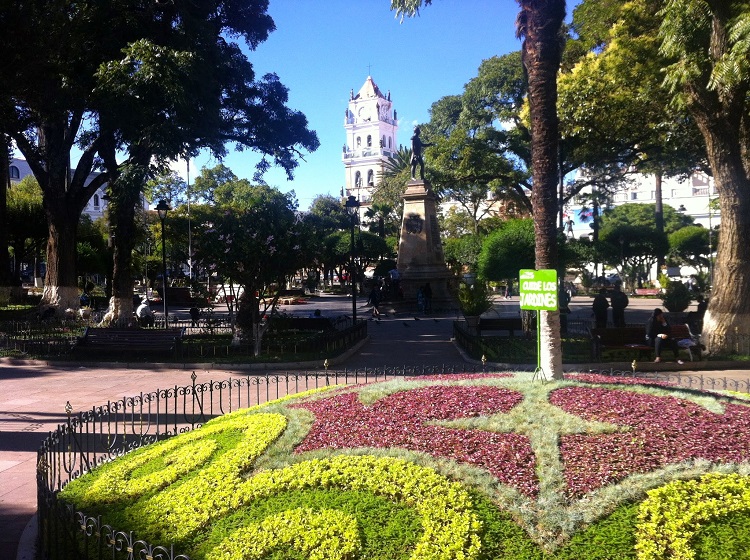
358	179
653	195
389	143
370	178
369	141
14	172
382	142
634	196
359	142
96	201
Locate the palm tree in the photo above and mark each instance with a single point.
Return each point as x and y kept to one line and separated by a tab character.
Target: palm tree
539	24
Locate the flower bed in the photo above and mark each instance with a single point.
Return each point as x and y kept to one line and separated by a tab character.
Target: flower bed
473	467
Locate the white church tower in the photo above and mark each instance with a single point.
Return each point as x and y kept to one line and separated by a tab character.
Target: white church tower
371	125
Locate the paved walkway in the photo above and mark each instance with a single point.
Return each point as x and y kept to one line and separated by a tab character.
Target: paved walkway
34	395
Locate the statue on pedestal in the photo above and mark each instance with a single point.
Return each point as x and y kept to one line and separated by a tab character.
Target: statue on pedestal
416	154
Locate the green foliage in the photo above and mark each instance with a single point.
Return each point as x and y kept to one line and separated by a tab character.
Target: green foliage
666	526
507	250
690	245
610	538
724	538
388	529
676	296
474	300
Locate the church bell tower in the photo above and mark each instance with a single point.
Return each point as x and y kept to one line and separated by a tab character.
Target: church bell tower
371	125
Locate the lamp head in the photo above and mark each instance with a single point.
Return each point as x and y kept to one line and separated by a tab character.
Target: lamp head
162	208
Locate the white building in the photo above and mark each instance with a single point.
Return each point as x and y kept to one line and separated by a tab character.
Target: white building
690	196
371	125
19	169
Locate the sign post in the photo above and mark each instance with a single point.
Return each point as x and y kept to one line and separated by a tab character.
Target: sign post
539	292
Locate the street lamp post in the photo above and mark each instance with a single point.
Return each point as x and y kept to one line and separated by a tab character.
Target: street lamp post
352	208
162	208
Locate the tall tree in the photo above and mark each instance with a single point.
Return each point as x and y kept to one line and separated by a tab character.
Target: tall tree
539	25
170	80
709	42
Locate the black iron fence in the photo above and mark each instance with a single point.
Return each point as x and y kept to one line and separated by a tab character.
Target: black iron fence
57	339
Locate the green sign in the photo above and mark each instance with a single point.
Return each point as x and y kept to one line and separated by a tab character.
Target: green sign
538	289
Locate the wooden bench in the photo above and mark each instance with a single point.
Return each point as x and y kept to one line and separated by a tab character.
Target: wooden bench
647	291
130	341
302	324
618	338
634	339
510	324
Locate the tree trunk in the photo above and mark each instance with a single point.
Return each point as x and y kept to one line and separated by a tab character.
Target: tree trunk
539	23
659	217
125	193
6	284
61	283
719	116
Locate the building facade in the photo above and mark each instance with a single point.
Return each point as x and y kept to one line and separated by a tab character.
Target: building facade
19	169
690	196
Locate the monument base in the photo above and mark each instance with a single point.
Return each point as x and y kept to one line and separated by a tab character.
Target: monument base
420	252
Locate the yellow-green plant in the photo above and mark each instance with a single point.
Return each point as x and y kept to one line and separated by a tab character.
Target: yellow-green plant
671	515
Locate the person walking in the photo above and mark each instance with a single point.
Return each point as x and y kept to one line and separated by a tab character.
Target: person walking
427	291
658	335
619	301
374	300
600	306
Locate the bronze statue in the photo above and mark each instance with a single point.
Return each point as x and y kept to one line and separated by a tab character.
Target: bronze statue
416	154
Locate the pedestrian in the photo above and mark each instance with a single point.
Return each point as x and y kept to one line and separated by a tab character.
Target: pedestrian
600	306
619	303
508	289
374	300
427	290
195	314
144	314
420	299
658	335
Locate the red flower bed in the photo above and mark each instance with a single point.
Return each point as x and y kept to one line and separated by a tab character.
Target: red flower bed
662	430
400	420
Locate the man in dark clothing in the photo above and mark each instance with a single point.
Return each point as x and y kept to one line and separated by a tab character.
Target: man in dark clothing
600	306
619	303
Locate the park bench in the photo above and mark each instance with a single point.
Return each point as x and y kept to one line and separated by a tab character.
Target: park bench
647	291
634	339
302	324
510	324
129	341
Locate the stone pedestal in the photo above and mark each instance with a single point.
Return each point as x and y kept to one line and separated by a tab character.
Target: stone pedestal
420	250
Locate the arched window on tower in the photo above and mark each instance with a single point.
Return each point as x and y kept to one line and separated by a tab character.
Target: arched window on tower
369	141
14	172
389	143
358	180
359	142
370	178
382	142
96	201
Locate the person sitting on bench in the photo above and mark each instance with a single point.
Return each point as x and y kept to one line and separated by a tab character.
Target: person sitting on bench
658	335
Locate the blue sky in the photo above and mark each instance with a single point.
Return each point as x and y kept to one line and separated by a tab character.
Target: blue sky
322	49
